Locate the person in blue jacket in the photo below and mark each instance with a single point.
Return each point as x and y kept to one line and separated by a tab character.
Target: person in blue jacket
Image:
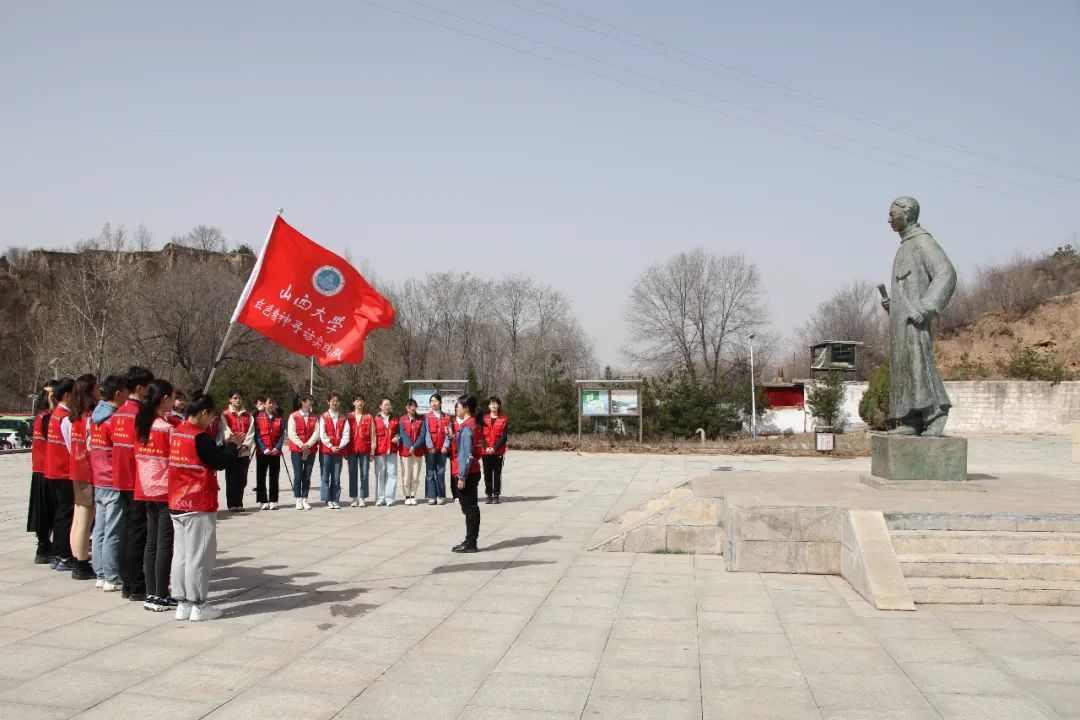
437	441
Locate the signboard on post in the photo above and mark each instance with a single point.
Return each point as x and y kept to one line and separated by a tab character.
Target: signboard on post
450	390
422	396
611	399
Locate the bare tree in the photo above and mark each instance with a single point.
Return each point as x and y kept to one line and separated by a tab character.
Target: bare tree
202	237
692	312
851	313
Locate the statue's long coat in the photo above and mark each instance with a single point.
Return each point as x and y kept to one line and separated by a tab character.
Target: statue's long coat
922	279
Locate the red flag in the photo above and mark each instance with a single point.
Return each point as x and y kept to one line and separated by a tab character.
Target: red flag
309	300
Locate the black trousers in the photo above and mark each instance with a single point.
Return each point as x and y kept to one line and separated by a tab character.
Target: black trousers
157	558
492	474
470	507
62	498
267	464
133	543
39	517
235	481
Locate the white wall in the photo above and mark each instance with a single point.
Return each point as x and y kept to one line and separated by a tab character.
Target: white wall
1017	407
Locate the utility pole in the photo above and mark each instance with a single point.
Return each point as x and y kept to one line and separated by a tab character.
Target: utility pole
753	392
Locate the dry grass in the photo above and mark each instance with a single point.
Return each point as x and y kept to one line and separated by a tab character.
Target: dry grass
856	444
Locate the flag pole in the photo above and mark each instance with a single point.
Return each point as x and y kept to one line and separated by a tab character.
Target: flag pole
239	304
311	377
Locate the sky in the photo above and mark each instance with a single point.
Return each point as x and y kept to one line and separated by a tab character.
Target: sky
577	142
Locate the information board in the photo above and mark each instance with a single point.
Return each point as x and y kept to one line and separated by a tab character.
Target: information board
595	402
625	401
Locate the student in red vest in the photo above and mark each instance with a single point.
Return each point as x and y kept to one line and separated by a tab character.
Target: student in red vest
386	442
437	443
238	421
133	530
303	433
179	409
40	514
466	448
269	438
108	518
411	449
334	436
152	433
58	474
194	459
493	432
84	398
361	448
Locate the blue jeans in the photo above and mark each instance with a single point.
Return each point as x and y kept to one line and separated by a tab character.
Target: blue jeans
108	520
386	477
435	464
302	467
361	463
330	487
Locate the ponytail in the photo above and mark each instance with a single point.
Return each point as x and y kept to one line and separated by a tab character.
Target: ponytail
157	391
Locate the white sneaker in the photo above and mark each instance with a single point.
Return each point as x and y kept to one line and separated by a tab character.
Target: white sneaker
441	501
183	611
389	503
355	503
379	502
99	584
109	587
432	501
204	612
360	502
299	504
306	506
271	506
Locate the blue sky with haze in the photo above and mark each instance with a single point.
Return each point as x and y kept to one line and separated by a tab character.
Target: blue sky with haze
417	148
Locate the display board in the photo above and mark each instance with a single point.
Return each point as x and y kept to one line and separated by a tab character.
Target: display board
625	401
422	396
595	402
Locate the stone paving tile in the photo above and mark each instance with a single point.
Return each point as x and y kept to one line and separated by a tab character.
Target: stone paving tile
351	614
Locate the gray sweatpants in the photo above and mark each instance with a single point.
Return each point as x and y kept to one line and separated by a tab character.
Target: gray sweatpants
194	554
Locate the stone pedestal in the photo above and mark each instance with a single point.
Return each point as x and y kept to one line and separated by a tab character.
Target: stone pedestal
897	459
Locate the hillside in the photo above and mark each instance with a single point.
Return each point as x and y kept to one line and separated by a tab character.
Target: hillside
1051	327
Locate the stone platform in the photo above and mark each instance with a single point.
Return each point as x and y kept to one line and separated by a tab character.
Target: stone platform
905	459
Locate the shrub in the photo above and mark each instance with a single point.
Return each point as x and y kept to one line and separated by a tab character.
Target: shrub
1027	363
824	399
874	406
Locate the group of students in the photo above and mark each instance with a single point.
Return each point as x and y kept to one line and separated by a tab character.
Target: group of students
124	486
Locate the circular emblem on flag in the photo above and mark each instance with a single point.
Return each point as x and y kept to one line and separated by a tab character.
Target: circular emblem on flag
328	280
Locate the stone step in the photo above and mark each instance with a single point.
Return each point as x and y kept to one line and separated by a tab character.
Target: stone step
983	591
1002	567
985	542
1016	522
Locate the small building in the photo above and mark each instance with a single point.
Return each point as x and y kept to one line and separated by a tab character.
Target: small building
783	394
833	356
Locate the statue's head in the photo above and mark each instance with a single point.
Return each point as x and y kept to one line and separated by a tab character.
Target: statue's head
904	211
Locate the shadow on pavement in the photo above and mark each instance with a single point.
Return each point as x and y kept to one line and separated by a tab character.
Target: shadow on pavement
490	565
521	542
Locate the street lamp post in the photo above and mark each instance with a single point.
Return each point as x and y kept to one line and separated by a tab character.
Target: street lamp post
753	393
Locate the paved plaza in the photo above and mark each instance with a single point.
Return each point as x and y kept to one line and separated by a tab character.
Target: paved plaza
365	613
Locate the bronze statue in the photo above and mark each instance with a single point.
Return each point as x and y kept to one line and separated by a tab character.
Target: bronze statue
923	281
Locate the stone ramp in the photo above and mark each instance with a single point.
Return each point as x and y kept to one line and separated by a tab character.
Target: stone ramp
675	521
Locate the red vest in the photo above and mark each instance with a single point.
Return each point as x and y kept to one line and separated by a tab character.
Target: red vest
152	463
334	431
101	464
305	430
360	434
122	436
492	430
239	423
438	429
58	457
477	447
193	486
269	429
38	443
412	427
385	430
80	454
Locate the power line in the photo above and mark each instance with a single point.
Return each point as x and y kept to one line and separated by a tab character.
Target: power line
768	85
707	108
741	106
